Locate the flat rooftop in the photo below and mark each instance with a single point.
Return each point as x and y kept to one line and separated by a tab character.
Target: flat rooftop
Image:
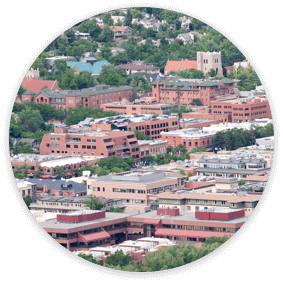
193	121
190	133
138	177
186	216
109	216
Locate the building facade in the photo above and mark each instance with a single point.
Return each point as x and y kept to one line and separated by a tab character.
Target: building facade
82	230
209	60
241	110
190	138
92	97
135	188
186	91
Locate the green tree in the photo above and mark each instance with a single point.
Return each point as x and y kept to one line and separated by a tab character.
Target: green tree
84	80
141	136
242	182
212	73
28	200
118	259
180	148
107	19
61	172
93	203
196	101
68	80
90	258
30	120
21	91
115	209
128	18
39	63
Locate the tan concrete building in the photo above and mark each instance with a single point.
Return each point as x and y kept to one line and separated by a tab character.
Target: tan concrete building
209	60
135	187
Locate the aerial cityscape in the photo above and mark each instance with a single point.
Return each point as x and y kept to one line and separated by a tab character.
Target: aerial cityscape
141	139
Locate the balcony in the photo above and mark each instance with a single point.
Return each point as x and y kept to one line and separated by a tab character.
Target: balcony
122	147
110	147
133	144
125	155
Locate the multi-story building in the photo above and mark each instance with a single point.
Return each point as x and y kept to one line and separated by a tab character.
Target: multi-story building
186	123
205	60
61	187
242	109
50	60
119	31
243	125
91	97
191	138
49	164
136	187
137	108
197	201
148	124
88	142
63	204
27	188
186	90
131	68
233	166
209	60
82	230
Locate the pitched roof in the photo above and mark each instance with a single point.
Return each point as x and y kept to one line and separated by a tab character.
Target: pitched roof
187	64
85	66
119	28
228	68
37	85
175	66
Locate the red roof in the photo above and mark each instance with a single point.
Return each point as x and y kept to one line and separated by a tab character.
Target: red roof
175	66
93	237
137	257
151	221
197	245
190	233
230	68
186	64
37	85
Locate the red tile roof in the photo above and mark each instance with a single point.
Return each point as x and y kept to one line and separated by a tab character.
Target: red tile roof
175	66
151	221
37	85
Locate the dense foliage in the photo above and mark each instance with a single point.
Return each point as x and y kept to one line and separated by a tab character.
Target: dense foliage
171	257
232	139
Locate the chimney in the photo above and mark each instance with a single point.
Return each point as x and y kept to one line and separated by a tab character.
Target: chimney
45	188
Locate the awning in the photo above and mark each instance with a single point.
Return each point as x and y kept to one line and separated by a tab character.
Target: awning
44	176
190	233
151	221
93	237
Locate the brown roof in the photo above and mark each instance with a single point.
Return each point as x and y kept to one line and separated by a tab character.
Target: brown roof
119	28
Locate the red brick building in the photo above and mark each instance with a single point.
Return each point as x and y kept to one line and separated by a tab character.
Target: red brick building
87	142
206	114
242	109
183	92
93	97
150	125
82	230
191	138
